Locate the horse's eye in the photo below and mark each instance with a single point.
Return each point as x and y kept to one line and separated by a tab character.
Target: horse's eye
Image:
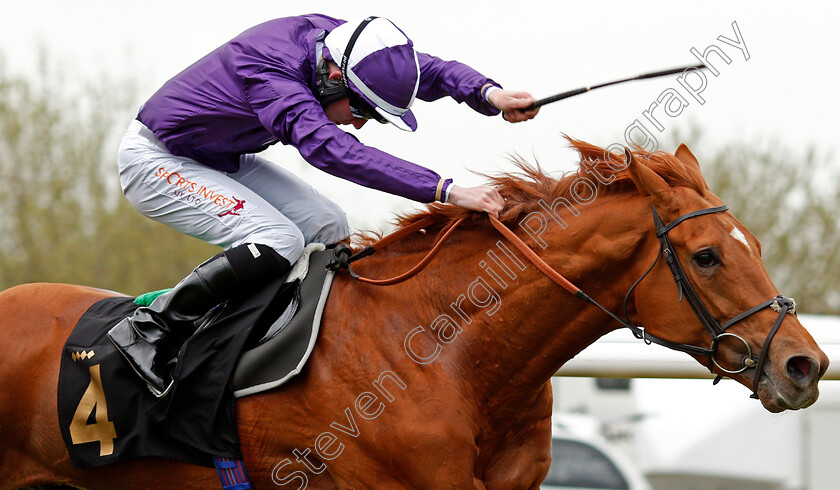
706	258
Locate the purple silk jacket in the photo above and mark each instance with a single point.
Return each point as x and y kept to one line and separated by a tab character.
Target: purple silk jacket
257	89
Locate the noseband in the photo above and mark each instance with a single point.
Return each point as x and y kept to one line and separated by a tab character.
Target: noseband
716	330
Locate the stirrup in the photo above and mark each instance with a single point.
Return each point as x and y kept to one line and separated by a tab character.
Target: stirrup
158	390
160	394
149	384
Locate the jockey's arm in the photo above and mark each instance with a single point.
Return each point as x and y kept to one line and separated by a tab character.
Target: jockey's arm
298	120
439	78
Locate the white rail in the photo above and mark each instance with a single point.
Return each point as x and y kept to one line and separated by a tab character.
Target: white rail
620	355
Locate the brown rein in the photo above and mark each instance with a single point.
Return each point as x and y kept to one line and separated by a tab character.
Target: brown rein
399	235
535	259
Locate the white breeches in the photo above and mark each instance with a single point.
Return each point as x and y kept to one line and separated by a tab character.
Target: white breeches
260	203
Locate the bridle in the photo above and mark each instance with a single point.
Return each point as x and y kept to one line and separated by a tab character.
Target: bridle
783	305
717	331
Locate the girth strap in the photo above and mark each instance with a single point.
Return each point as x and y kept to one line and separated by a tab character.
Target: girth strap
231	473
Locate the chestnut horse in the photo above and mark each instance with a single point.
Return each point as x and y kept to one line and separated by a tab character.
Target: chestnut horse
442	381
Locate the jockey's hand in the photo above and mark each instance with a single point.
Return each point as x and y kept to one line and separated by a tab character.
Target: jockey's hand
510	103
483	198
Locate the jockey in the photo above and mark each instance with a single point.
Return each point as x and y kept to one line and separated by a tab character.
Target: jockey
189	159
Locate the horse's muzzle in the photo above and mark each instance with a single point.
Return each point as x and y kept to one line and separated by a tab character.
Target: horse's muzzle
792	385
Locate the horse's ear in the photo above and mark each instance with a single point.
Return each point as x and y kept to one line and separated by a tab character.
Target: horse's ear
684	155
648	182
688	159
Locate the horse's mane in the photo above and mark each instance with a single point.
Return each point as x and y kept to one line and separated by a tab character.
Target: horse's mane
523	189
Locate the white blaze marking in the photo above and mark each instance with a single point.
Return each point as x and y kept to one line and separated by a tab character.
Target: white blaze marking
736	234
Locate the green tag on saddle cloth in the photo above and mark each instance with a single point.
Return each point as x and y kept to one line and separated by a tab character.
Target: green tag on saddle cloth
146	299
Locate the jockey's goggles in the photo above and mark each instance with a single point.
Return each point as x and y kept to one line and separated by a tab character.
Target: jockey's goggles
362	110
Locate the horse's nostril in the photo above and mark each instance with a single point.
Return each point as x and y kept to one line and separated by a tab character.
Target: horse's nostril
801	369
823	365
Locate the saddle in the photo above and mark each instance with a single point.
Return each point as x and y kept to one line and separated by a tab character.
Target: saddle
250	344
285	347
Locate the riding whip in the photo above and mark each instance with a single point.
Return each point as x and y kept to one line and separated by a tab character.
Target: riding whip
578	91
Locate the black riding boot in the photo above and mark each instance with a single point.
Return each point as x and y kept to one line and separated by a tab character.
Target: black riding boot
172	317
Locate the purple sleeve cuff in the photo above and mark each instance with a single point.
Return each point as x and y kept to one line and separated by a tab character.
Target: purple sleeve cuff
442	194
487	90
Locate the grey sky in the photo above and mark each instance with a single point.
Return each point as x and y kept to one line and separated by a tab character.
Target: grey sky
785	92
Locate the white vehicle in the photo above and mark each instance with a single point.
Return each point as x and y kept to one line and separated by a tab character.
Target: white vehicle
582	459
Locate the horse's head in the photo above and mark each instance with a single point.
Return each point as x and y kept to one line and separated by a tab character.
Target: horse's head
715	293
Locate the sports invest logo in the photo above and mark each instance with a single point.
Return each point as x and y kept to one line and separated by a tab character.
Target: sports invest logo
239	206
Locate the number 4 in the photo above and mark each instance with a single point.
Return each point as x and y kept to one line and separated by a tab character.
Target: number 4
103	430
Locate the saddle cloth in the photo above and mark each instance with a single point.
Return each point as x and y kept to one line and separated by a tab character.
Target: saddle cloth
250	344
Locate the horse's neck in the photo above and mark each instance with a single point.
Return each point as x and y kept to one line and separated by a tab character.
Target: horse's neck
535	326
494	324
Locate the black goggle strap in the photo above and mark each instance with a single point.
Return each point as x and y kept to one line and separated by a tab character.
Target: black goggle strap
327	91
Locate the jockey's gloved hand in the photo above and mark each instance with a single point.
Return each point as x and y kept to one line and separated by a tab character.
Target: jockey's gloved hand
483	198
